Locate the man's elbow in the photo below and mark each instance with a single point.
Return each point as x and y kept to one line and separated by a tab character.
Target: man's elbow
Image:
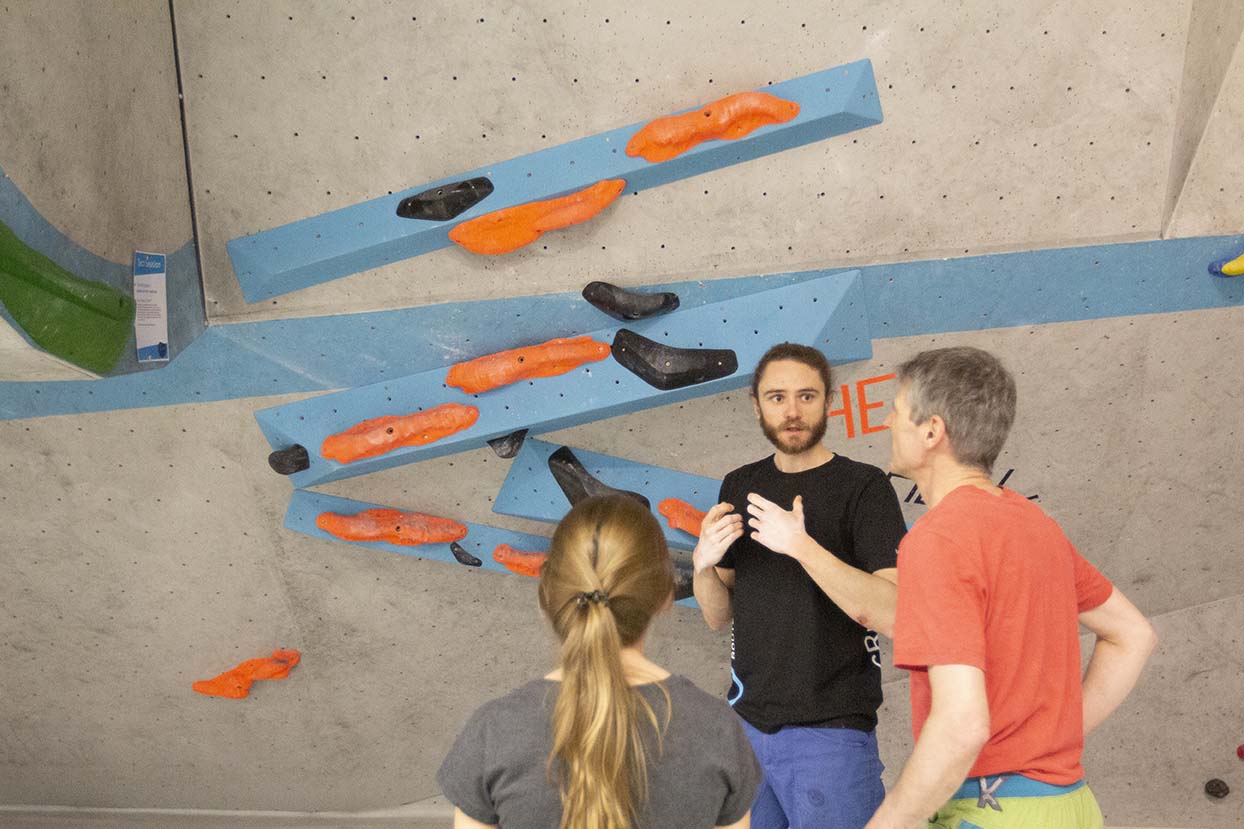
971	735
716	622
1147	639
880	622
966	729
1138	637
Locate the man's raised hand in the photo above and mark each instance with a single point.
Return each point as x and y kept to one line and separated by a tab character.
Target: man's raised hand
782	531
721	527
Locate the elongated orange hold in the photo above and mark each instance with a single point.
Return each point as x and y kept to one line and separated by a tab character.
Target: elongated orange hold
384	434
513	227
527	363
731	117
682	516
391	525
236	683
523	562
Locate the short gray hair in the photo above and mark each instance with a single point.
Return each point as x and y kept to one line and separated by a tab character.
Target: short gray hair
971	391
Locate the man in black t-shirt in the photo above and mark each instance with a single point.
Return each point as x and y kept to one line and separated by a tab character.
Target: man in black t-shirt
807	584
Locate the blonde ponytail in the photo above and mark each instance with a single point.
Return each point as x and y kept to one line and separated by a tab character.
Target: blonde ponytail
607	574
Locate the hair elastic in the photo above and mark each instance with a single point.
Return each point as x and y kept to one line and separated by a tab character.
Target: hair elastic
596	596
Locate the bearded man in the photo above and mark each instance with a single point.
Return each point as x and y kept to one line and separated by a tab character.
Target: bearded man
808	581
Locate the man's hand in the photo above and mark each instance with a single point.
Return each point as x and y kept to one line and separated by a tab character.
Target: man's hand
780	530
721	527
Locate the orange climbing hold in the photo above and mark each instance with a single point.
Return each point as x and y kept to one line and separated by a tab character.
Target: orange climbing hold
519	561
513	227
236	684
384	434
391	525
726	119
544	360
682	516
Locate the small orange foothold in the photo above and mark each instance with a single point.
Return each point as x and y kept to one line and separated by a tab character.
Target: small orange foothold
545	360
682	516
236	683
393	526
513	227
523	562
384	434
726	119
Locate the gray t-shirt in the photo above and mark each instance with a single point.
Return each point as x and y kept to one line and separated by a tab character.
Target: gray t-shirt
705	775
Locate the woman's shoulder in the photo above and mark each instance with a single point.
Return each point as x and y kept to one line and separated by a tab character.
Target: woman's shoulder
703	711
526	702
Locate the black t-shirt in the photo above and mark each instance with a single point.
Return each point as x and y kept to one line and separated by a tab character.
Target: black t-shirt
796	657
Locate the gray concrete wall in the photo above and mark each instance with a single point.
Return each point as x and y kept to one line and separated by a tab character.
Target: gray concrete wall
142	549
1003	130
91	137
1213	32
1212	197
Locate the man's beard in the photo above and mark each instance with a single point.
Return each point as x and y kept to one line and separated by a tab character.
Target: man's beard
782	442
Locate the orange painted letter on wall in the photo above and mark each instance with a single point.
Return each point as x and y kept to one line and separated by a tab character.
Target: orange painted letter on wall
845	411
865	405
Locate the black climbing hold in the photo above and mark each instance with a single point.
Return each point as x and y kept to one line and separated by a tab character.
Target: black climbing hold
507	446
667	367
442	203
291	460
628	305
1217	788
463	556
577	483
684	577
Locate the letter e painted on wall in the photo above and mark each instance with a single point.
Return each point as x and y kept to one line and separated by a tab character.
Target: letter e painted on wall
862	399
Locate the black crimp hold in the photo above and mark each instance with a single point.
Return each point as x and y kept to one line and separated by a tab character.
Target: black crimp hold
666	367
290	460
684	579
1217	789
507	446
463	556
440	204
578	484
627	305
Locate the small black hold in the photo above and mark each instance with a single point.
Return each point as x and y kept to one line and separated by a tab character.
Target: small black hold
440	204
666	367
628	305
684	576
463	556
290	460
507	446
578	484
1217	788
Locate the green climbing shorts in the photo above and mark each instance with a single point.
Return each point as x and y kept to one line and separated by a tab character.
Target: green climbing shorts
1013	801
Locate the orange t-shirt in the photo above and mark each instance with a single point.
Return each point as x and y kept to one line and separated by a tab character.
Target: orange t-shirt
991	581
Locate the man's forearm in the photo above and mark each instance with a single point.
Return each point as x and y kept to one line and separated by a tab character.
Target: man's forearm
1124	641
713	597
866	598
1112	673
956	730
937	767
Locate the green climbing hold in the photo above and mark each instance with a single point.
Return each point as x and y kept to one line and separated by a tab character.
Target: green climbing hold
85	322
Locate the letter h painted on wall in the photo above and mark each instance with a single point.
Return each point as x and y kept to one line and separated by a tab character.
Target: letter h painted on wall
847	413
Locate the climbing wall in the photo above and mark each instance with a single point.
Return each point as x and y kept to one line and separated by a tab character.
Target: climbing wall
1038	185
92	168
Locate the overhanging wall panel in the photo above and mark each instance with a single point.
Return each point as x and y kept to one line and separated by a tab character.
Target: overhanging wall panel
1069	142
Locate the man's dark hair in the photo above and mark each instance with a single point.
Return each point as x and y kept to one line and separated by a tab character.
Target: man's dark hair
800	354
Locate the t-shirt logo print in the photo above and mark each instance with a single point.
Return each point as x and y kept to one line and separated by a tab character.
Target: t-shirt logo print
872	644
736	688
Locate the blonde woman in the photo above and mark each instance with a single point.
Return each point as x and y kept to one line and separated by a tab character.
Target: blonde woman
609	740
